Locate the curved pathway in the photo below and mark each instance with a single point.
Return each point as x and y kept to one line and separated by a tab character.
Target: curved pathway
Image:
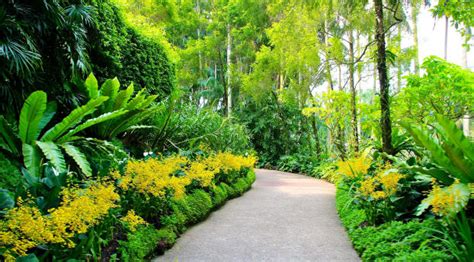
284	217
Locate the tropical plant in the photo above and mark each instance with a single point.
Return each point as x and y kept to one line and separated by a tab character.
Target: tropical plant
41	40
451	153
35	145
128	108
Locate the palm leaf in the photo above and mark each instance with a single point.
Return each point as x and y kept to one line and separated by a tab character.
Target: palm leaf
129	120
31	159
48	115
136	101
53	153
92	86
438	154
78	157
123	97
8	138
73	119
31	115
91	122
452	133
109	88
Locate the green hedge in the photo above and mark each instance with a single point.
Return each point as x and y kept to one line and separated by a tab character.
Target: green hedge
393	241
118	50
193	208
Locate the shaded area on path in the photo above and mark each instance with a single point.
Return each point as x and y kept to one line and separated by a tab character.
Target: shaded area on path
284	217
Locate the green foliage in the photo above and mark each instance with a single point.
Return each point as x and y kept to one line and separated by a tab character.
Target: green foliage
394	241
191	126
448	148
10	176
121	111
446	89
276	130
144	242
298	162
45	56
194	207
219	195
118	50
400	241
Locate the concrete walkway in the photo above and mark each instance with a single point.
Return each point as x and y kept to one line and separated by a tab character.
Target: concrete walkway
284	217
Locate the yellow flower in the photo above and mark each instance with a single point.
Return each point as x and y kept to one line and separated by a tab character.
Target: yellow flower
390	182
132	220
367	187
24	227
450	200
354	167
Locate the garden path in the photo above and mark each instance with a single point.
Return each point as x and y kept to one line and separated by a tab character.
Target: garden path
284	217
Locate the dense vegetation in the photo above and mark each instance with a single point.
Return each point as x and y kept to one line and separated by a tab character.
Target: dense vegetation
324	88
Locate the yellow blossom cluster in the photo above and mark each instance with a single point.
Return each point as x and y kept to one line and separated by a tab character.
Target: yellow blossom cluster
25	227
153	176
448	201
354	167
133	220
225	161
384	184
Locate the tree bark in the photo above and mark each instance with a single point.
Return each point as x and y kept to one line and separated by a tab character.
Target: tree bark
385	122
446	26
414	14
355	132
229	71
326	62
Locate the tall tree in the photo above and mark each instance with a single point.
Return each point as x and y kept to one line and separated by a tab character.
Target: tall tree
385	122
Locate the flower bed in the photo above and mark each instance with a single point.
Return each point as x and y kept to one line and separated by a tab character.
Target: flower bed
128	215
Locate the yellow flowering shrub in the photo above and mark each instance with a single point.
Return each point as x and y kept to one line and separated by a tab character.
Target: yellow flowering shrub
447	201
133	220
354	167
225	162
154	176
384	184
25	227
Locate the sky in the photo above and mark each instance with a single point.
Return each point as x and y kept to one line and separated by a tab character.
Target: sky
431	40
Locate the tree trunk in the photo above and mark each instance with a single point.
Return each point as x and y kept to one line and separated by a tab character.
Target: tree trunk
414	14
446	38
399	62
385	122
355	132
466	125
229	71
326	62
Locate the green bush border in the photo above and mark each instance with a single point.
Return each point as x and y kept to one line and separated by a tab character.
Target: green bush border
392	241
148	241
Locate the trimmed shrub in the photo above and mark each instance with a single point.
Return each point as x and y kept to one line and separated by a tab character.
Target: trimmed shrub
118	50
146	241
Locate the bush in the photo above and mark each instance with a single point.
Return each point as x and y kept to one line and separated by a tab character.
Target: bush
10	176
117	49
191	126
194	207
144	242
392	241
